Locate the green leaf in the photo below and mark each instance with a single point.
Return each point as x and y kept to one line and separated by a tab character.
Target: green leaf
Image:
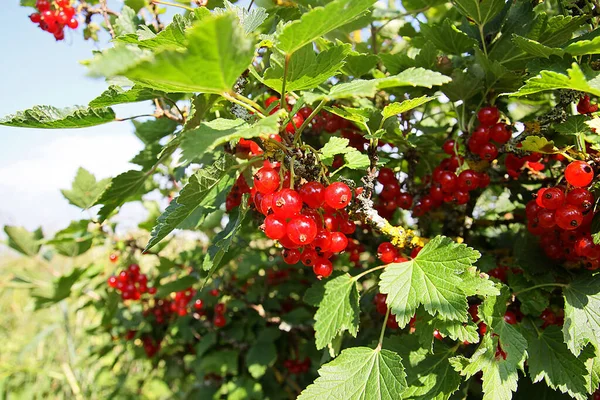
48	117
536	49
148	156
224	239
153	130
592	378
358	64
122	187
263	353
73	240
62	288
126	22
335	145
172	37
23	241
433	278
191	197
481	12
595	229
398	108
116	60
550	360
429	376
117	95
338	311
196	142
319	21
448	38
464	85
250	20
574	125
136	5
177	285
85	190
582	321
306	69
217	47
583	47
359	373
356	160
575	79
500	374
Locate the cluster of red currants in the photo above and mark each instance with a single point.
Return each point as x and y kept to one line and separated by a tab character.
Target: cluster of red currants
391	198
488	131
131	283
514	164
562	216
310	223
379	301
388	253
234	197
55	19
585	107
151	346
354	250
297	367
162	311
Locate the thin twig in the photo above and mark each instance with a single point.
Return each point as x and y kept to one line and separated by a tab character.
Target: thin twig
109	26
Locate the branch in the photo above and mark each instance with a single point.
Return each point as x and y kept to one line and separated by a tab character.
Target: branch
104	11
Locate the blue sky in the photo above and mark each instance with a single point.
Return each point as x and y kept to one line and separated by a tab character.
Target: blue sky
34	163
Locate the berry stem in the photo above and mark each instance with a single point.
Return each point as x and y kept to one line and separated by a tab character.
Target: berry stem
246	100
282	104
357	277
382	334
307	120
248	107
166	3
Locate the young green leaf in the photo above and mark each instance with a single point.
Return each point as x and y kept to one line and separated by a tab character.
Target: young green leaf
582	322
48	117
85	190
480	12
335	145
401	107
120	188
23	241
338	311
575	79
217	47
249	19
433	279
117	95
359	373
192	196
550	360
536	49
447	38
319	21
583	47
126	22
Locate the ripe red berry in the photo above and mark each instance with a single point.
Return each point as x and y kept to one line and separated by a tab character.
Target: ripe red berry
387	252
437	335
484	180
294	124
415	252
220	308
275	227
390	190
322	242
488	151
510	317
584	246
266	180
339	242
198	304
35	18
219	321
581	198
447	181
553	198
113	258
214	292
338	195
308	257
73	23
286	203
112	281
546	218
579	174
404	201
568	217
488	115
301	230
468	180
386	175
313	194
474	311
270	100
322	268
500	133
448	146
291	256
480	136
42	5
152	290
348	227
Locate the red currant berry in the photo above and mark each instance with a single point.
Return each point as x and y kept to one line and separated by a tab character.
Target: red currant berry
474	311
73	23
220	308
322	268
447	181
579	174
437	335
112	281
322	242
291	256
198	304
553	198
270	100
391	322
266	180
338	195
468	180
294	124
305	112
387	252
510	317
286	203
313	194
339	242
214	292
302	230
480	136
42	5
488	115
152	290
347	227
275	227
35	18
488	152
584	246
390	191
581	198
500	133
386	175
546	219
308	257
448	146
219	321
484	180
113	258
568	217
415	252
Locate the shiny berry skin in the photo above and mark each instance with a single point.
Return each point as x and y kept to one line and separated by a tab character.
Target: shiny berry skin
338	195
484	180
386	175
302	230
387	252
313	194
391	322
35	18
294	124
308	257
291	256
568	217
266	180
275	227
584	246
214	292
73	23
498	273
305	112
447	181
488	151
532	209
42	5
270	100
480	136
198	304
468	180
404	201
219	321
390	191
437	335
112	281
579	174
380	298
220	308
546	219
488	115
322	268
448	146
322	242
339	242
581	198
347	227
474	311
286	203
113	258
500	133
553	198
510	317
